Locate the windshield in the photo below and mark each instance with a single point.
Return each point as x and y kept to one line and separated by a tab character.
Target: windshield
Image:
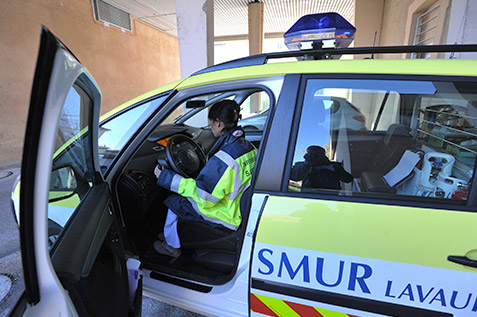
117	131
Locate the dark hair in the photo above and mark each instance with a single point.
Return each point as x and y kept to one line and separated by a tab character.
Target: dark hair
227	111
316	155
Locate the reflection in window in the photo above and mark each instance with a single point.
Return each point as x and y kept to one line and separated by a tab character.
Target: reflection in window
72	171
69	125
407	138
72	144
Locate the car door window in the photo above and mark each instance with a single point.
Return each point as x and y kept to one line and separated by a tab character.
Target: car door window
413	140
72	171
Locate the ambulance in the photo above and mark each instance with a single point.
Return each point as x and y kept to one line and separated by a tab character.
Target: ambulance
363	199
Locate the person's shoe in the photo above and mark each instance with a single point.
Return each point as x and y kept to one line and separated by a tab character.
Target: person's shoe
163	248
161	237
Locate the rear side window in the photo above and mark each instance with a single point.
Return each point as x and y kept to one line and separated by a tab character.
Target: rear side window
413	140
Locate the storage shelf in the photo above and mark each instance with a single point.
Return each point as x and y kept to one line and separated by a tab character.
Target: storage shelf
444	125
447	141
449	128
449	114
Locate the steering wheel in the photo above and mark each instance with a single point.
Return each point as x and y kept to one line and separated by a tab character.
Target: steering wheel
185	156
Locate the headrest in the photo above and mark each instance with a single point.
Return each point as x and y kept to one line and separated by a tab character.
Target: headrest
396	132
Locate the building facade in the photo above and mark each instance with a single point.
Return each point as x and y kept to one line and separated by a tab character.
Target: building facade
137	57
124	63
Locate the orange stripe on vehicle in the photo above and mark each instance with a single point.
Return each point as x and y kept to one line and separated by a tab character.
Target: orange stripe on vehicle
257	306
268	308
304	310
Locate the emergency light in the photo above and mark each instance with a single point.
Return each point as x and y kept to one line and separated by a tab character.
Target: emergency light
322	30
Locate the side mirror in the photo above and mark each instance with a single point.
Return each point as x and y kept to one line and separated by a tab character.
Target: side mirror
63	183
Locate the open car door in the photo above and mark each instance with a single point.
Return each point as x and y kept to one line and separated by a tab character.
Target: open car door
80	269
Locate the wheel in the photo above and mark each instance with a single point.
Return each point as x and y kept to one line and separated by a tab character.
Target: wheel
185	156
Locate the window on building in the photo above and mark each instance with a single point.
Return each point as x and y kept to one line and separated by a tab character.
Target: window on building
426	20
110	14
426	26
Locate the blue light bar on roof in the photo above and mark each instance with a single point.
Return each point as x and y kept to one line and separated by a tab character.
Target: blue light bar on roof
320	30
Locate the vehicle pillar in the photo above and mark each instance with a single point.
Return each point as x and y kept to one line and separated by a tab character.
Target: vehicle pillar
255	41
195	31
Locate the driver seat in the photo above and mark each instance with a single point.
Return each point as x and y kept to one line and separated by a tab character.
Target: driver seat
215	248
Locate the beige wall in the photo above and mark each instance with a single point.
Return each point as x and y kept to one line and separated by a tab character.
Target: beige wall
368	20
123	64
394	22
387	17
399	23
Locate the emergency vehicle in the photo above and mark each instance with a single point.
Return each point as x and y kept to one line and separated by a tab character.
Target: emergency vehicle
399	239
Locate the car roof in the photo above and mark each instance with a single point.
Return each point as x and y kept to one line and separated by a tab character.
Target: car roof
440	67
256	67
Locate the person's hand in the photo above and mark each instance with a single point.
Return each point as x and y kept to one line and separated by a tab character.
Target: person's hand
157	171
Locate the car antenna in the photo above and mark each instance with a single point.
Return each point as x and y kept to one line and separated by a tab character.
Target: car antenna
451	55
374	43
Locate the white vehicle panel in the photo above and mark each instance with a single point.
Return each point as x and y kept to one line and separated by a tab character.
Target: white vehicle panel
229	299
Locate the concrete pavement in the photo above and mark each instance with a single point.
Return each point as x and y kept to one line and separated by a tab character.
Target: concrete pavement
11	274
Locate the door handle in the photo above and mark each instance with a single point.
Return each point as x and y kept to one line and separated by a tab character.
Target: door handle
470	258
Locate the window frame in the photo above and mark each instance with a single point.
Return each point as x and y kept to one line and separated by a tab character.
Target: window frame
81	83
415	10
177	97
224	87
383	199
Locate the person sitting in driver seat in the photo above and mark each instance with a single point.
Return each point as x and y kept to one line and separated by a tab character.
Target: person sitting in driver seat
214	197
317	171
